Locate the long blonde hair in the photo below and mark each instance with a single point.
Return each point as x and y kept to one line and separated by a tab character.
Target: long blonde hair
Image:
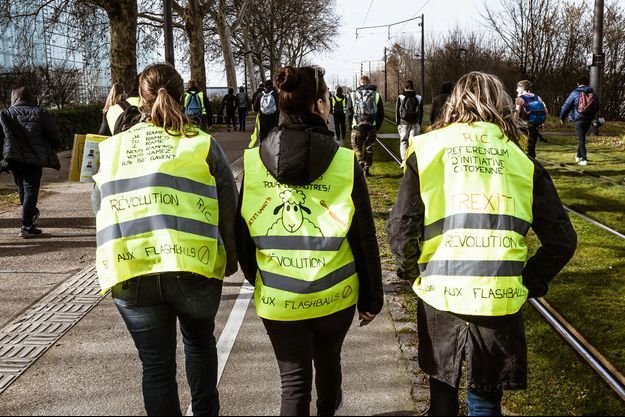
161	89
115	96
481	97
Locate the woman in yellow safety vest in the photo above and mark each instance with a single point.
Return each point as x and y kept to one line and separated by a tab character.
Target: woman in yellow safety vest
116	95
166	199
468	199
307	242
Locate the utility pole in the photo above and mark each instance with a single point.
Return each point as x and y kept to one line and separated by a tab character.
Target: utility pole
598	58
169	32
423	56
385	74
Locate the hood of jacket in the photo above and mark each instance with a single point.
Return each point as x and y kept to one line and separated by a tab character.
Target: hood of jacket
368	87
585	89
299	150
410	94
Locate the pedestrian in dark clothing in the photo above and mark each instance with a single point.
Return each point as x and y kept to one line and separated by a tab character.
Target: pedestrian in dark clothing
462	245
408	116
297	155
581	107
533	111
438	104
266	105
244	105
230	104
30	139
339	105
258	92
366	108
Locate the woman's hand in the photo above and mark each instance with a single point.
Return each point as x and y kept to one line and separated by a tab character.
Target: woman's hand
366	318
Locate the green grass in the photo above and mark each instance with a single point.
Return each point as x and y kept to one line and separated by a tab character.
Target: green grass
588	292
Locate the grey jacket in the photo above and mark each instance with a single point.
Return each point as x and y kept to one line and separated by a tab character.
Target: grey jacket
227	195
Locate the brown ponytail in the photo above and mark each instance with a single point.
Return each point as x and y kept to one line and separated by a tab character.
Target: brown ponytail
300	88
162	92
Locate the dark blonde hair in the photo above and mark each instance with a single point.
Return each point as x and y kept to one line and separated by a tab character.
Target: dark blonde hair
525	85
481	97
300	88
161	89
115	96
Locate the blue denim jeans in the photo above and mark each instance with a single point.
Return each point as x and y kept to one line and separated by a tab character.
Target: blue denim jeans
28	181
151	307
444	401
581	129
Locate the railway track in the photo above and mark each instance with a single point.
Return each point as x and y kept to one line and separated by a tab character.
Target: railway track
599	363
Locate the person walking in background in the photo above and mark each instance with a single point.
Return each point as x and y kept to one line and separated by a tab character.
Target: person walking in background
532	111
185	252
266	105
244	104
123	115
438	104
197	106
408	116
458	233
257	93
339	104
30	139
581	107
116	95
230	104
319	210
367	109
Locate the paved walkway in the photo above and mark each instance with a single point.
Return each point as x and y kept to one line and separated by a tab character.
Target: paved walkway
94	369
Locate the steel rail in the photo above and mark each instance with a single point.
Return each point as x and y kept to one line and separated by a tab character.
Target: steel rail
599	363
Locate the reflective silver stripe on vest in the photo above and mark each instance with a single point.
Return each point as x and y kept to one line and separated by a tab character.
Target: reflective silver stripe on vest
158	180
472	268
330	244
476	221
150	224
298	286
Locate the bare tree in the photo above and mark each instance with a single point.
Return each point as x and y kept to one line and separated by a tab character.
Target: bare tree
62	83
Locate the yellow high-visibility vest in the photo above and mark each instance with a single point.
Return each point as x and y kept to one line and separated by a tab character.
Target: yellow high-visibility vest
254	138
477	187
336	100
114	112
159	210
306	265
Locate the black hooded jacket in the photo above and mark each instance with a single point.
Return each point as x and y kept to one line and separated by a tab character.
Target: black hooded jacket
298	152
29	136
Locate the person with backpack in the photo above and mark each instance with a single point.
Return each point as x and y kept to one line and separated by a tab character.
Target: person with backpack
532	110
165	257
438	103
197	106
258	92
244	105
408	116
266	106
230	103
318	210
581	107
29	141
467	201
367	109
115	96
339	104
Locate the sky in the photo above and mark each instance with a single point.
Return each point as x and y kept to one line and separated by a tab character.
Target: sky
440	17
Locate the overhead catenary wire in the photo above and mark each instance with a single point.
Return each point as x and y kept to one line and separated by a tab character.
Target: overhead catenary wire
414	17
368	11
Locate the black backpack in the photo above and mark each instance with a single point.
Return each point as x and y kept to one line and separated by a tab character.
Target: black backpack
409	110
130	117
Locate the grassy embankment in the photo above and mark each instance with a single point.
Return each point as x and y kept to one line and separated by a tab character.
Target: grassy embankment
589	292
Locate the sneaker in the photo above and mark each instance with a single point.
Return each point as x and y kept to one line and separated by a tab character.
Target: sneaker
577	159
30	232
36	217
583	162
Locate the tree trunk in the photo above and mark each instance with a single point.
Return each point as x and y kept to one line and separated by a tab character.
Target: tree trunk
248	59
123	17
195	34
225	38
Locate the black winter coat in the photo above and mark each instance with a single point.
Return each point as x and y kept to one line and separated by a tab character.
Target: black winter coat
298	152
29	136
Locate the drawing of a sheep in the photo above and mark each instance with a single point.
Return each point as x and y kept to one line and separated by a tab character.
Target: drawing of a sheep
292	215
